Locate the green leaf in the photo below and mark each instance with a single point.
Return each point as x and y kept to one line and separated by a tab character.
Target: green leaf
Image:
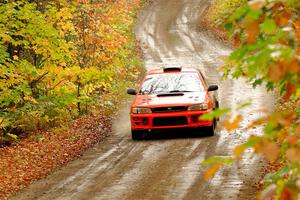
229	27
269	26
213	160
245	104
215	114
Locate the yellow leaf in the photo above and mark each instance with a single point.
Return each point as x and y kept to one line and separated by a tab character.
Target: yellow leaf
211	171
30	99
15	57
239	150
258	122
231	125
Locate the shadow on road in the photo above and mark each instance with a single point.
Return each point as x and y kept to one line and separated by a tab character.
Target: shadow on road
175	134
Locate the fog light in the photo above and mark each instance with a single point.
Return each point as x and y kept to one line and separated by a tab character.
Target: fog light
145	121
195	118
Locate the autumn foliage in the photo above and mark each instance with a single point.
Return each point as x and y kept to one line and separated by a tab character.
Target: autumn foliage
58	58
266	35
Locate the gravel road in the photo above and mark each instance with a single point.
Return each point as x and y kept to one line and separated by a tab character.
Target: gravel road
166	167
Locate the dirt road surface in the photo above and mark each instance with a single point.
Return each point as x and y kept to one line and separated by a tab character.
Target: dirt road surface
165	167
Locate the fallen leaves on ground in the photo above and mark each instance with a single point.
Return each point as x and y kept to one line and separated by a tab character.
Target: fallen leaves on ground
41	153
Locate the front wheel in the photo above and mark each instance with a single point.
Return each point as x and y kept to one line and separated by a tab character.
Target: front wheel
211	129
137	135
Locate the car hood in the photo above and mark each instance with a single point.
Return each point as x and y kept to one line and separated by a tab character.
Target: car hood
186	98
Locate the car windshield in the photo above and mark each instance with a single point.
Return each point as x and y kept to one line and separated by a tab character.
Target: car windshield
171	82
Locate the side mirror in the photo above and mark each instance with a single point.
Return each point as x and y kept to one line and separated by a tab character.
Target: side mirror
131	91
212	88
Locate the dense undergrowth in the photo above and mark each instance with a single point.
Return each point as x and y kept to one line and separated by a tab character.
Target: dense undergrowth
217	15
221	10
60	59
266	35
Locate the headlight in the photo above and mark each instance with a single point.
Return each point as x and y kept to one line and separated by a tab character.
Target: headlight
202	106
141	110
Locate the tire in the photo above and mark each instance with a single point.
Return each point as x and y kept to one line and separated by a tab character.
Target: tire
211	129
217	107
137	135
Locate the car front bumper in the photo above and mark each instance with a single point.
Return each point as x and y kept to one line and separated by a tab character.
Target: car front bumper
172	120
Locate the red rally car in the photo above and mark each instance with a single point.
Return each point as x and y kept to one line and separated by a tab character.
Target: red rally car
172	98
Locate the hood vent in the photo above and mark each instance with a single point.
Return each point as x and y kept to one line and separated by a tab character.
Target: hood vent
172	69
170	94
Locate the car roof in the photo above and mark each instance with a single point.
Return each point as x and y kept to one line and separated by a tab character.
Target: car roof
172	69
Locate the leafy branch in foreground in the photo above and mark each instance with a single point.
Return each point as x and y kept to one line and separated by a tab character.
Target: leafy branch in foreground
267	39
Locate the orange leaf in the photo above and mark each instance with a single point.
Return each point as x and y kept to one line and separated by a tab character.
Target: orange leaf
258	148
270	151
293	66
286	194
293	155
286	120
298	51
283	18
252	32
297	29
292	139
297	130
290	90
236	40
258	122
234	124
211	171
276	72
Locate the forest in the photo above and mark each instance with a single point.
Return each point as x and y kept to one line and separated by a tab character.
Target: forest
58	58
